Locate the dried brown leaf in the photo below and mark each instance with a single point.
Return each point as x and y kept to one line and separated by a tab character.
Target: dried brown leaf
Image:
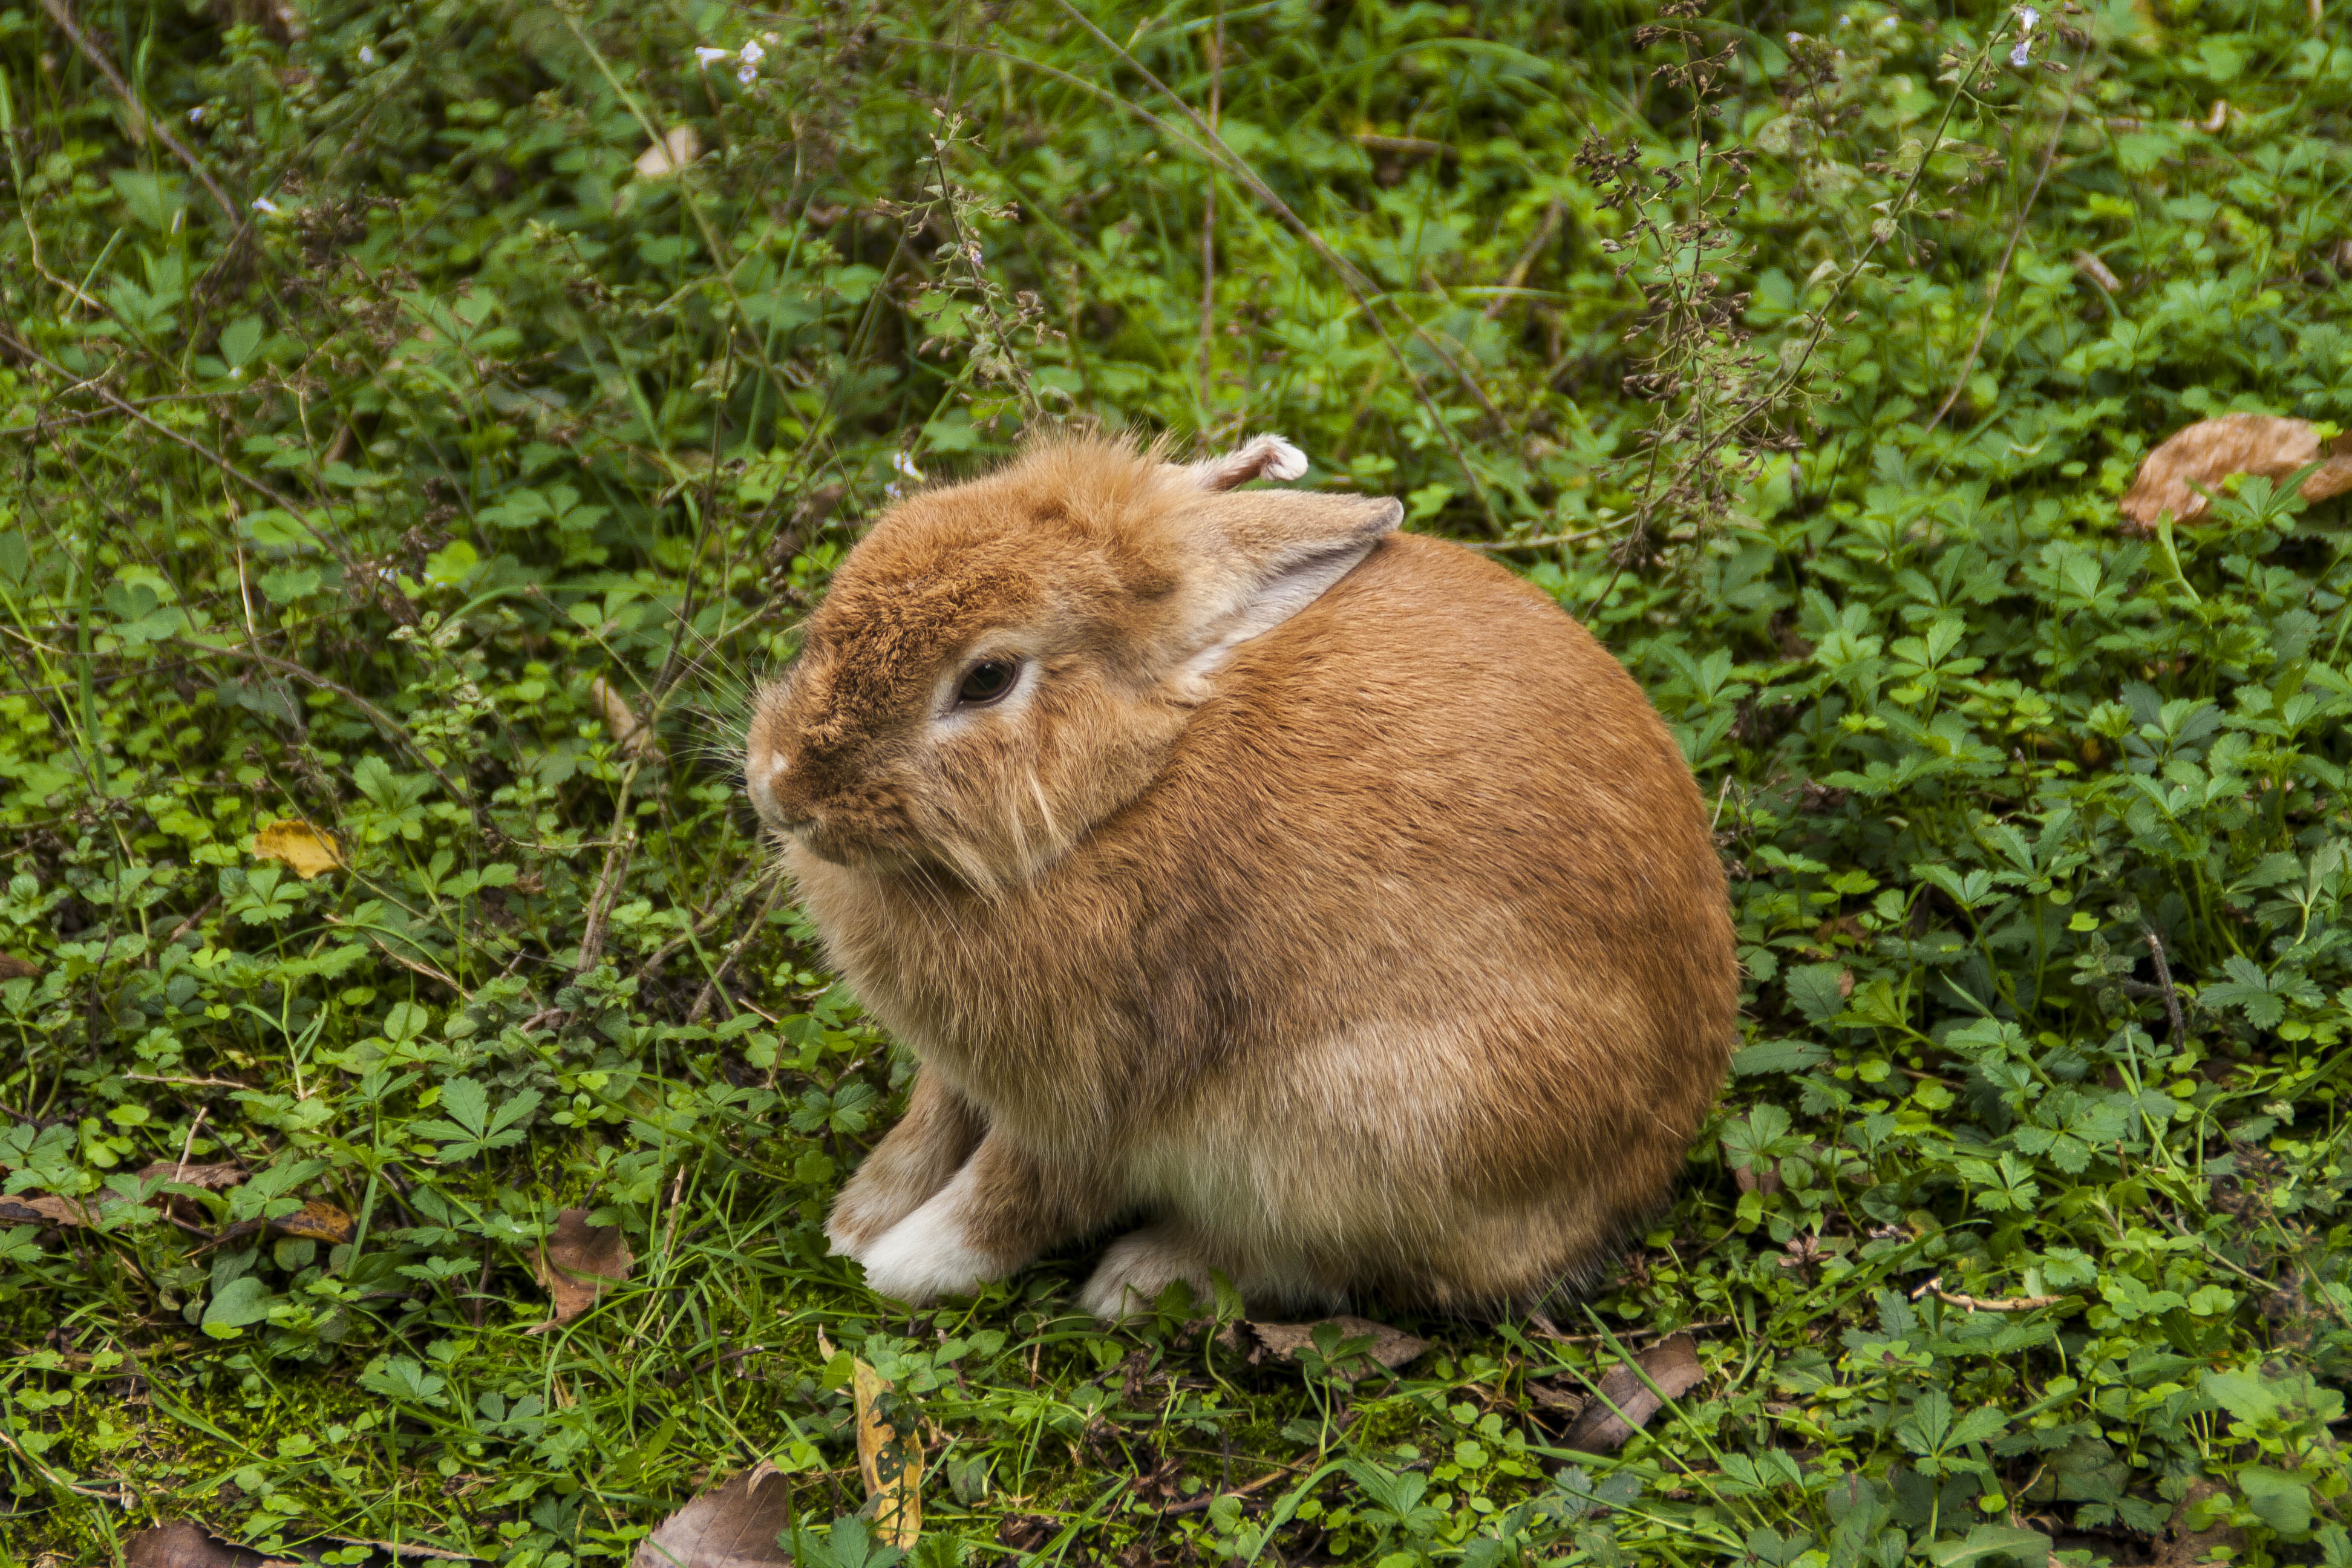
2211	450
45	1208
184	1544
629	733
1024	1532
579	1263
1672	1364
1554	1398
15	968
891	1463
1392	1348
734	1527
316	1220
311	851
42	1208
211	1178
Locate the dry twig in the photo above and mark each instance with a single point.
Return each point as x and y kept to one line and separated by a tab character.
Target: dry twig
1980	1304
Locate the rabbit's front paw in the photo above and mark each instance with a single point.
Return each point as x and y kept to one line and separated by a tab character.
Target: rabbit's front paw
863	1216
928	1255
1138	1267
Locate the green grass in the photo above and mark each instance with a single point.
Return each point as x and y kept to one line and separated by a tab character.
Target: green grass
350	434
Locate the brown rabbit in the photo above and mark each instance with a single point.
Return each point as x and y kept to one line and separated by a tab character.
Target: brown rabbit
1317	895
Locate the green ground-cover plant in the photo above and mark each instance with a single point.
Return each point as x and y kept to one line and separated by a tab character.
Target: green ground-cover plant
376	380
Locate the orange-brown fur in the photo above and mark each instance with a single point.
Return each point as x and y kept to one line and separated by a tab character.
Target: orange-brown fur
1390	957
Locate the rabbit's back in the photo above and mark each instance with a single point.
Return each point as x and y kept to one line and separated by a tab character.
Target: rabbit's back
1432	874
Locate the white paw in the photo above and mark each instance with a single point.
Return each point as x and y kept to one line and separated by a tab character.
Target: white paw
861	1211
926	1255
1137	1267
867	1208
837	1235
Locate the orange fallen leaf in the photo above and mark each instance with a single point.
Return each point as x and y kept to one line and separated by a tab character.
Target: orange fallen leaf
891	1462
316	1220
2206	453
579	1263
308	850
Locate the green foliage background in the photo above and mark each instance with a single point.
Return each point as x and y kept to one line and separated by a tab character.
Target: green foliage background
336	477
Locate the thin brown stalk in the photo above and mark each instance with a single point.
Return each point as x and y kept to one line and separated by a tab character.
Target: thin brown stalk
326	536
600	901
1359	287
1546	540
155	127
1983	1304
1542	1324
710	987
2001	272
2164	983
393	729
413	966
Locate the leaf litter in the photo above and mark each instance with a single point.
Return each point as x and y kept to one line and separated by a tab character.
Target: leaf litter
889	1458
183	1544
742	1523
2192	462
46	1209
736	1526
577	1264
1629	1395
1392	1347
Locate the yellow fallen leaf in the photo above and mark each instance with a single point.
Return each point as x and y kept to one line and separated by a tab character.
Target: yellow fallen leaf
309	850
891	1460
317	1219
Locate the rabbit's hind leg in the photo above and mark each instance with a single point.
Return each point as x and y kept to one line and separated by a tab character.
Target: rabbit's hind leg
1141	1264
913	1162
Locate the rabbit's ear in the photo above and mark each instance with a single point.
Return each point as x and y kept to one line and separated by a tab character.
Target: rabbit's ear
1260	558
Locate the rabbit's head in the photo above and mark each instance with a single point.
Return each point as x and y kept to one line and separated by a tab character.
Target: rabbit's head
1000	665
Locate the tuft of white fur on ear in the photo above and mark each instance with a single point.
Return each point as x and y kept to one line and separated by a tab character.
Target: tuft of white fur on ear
1259	457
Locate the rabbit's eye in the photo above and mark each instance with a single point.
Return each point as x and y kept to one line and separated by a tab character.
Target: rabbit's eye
985	682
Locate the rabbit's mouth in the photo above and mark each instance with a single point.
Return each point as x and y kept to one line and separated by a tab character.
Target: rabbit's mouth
830	845
839	842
